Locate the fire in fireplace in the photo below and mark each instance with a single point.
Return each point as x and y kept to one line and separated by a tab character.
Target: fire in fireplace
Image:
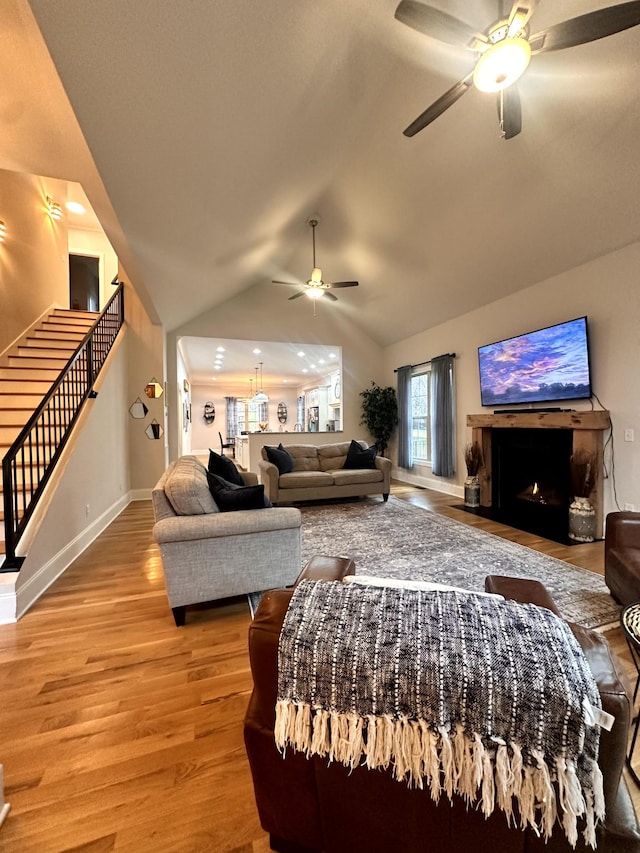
531	479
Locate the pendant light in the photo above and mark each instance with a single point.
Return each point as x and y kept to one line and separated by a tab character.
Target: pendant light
260	397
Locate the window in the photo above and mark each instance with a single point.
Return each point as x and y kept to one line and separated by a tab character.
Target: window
250	415
421	416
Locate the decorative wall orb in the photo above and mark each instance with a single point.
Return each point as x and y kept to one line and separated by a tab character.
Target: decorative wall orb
282	413
209	412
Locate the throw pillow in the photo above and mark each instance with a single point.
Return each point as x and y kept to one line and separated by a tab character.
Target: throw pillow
230	497
224	467
186	487
359	458
280	457
429	586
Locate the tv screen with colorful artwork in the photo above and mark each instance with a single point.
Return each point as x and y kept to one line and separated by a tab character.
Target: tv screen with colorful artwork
542	366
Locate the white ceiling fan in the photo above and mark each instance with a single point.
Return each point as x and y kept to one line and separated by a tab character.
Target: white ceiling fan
315	287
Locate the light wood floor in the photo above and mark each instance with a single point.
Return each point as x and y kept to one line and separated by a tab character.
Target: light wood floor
119	731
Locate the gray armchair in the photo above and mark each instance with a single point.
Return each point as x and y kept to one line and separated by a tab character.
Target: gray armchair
207	554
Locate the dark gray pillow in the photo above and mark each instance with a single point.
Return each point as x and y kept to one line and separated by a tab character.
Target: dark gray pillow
230	497
220	489
359	458
280	457
224	467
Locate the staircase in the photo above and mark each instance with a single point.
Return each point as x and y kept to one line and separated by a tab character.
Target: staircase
28	371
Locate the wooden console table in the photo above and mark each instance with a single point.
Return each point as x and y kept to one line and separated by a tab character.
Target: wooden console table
588	429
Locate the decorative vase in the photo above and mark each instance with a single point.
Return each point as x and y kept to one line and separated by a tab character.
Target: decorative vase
472	492
582	520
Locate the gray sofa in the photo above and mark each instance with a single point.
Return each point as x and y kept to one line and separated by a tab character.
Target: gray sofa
208	554
318	473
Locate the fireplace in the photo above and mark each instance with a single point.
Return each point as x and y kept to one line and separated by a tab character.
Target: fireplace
524	481
531	479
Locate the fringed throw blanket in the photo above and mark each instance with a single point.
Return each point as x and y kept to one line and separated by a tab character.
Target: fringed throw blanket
461	694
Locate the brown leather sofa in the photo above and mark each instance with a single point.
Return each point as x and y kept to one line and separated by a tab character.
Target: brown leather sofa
309	806
622	556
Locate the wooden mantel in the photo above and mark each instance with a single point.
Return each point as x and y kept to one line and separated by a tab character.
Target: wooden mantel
591	420
588	428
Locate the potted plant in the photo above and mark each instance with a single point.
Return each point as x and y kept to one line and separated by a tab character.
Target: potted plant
380	414
473	461
582	515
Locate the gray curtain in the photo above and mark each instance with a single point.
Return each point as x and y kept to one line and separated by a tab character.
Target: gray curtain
232	417
405	445
443	428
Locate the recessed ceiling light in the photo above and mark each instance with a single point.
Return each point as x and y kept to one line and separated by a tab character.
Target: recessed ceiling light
216	367
332	355
304	370
214	378
321	361
285	380
220	349
301	354
312	366
76	207
256	351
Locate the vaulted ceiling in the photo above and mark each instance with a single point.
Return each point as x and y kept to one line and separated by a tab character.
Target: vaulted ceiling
219	128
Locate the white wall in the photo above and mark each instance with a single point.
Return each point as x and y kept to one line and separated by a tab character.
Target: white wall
262	313
90	488
34	265
607	291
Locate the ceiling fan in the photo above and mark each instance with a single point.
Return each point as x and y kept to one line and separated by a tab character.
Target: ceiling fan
504	49
315	287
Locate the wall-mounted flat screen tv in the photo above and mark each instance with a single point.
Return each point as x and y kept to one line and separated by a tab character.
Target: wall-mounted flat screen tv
542	366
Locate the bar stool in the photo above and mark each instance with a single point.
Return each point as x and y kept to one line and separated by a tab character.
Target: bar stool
630	620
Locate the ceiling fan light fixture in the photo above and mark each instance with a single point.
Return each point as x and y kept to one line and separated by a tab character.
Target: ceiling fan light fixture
502	64
313	291
316	276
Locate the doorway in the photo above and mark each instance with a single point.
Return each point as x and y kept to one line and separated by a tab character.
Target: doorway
84	282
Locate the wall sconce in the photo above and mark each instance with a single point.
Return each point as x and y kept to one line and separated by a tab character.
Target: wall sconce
53	208
3	231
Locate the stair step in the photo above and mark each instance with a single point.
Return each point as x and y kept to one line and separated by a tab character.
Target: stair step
24	386
66	344
15	416
45	352
9	432
71	316
49	374
35	360
68	334
71	328
21	401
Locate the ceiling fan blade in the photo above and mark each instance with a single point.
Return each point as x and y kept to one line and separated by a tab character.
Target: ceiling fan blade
296	295
586	28
438	107
330	296
432	22
519	15
343	284
288	283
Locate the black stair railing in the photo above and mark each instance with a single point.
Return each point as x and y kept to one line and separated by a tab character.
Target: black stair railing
29	462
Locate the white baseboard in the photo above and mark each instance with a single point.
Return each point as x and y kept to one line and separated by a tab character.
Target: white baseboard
8	597
38	583
435	483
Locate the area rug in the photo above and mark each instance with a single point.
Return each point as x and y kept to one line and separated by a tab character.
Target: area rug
400	540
